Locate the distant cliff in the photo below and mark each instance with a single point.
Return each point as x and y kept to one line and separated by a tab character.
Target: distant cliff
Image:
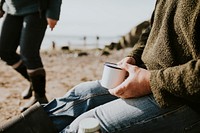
130	39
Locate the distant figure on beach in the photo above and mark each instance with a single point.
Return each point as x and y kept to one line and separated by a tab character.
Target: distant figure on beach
24	25
159	94
84	41
53	45
97	42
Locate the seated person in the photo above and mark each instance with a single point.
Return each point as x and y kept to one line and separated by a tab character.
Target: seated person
163	96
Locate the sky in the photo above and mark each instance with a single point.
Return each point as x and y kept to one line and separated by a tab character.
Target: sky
101	17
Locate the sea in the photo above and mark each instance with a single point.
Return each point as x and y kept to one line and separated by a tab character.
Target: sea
96	23
77	42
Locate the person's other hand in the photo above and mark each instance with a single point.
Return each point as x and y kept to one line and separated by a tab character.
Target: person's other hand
129	60
135	85
52	23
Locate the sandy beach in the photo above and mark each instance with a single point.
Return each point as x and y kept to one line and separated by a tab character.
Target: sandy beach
64	69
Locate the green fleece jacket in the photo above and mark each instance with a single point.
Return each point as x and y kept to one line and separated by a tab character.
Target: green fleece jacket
170	50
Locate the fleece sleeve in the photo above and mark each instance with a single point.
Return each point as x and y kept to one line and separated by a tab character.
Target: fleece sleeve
181	81
138	48
54	9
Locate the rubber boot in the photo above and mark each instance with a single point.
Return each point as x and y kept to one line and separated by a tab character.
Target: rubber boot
38	80
33	120
23	71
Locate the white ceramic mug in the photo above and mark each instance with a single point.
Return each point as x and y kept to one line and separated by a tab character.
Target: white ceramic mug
112	76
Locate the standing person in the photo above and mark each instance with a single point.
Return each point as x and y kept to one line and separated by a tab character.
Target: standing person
162	97
24	25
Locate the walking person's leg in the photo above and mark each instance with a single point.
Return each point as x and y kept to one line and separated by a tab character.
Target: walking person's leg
33	31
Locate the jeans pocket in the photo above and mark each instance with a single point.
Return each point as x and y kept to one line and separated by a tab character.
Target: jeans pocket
193	128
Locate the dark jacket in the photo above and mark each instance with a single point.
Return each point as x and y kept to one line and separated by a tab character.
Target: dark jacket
170	50
23	7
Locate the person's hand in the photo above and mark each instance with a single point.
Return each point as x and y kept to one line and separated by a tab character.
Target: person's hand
52	23
137	84
129	60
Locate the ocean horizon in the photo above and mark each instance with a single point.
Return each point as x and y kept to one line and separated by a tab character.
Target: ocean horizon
79	42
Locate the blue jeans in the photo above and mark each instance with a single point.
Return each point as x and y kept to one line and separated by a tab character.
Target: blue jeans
142	115
27	32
